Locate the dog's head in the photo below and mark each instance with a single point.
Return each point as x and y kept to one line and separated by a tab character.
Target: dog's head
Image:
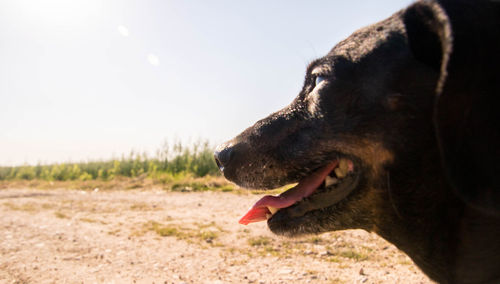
364	119
367	103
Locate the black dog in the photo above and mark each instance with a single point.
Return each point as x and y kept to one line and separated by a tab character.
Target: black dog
396	132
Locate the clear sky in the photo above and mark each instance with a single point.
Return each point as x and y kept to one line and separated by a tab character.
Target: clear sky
90	79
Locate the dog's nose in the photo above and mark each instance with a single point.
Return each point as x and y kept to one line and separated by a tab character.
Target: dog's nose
223	155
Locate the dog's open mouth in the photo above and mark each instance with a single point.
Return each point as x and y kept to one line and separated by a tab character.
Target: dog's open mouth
322	188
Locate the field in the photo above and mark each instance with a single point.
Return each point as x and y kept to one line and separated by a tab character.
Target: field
141	231
172	161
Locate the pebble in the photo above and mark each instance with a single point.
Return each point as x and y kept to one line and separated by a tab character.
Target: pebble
325	253
285	271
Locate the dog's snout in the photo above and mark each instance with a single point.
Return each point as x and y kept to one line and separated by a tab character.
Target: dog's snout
223	156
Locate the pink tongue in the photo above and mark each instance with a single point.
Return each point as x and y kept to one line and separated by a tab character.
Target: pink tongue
305	188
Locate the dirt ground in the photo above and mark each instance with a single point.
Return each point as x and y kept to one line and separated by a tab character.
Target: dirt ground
156	236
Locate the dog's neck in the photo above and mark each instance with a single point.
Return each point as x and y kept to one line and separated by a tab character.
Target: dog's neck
411	230
478	251
448	240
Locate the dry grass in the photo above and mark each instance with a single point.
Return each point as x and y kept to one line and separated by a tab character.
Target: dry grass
180	183
259	241
203	234
88	220
60	215
28	207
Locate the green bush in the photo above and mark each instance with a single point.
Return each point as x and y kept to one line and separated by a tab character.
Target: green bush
167	165
85	176
26	173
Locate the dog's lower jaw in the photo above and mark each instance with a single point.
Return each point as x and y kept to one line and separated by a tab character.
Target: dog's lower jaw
315	222
342	215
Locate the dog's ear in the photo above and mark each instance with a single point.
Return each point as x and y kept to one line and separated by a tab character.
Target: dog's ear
465	115
428	32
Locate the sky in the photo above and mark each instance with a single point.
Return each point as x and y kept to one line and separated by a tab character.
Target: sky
88	79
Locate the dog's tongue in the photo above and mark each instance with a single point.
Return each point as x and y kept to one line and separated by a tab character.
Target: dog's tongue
306	187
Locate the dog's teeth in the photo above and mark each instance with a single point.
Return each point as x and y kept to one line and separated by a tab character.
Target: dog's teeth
343	168
340	173
344	165
330	181
272	209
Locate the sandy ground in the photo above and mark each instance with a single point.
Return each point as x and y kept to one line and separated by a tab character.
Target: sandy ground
155	236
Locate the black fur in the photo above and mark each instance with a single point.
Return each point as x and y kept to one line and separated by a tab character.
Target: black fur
413	102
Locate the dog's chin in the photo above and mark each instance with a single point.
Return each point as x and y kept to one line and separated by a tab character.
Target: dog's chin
324	210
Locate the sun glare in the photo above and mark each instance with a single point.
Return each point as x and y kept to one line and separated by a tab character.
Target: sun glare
153	59
123	30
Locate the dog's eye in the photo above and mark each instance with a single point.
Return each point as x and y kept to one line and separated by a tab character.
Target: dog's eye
318	80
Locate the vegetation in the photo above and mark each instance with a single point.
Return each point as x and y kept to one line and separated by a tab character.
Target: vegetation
169	162
206	233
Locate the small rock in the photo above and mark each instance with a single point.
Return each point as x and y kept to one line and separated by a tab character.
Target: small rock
361	271
285	271
308	252
325	253
187	189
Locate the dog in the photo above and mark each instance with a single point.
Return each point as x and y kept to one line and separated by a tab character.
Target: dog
395	131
